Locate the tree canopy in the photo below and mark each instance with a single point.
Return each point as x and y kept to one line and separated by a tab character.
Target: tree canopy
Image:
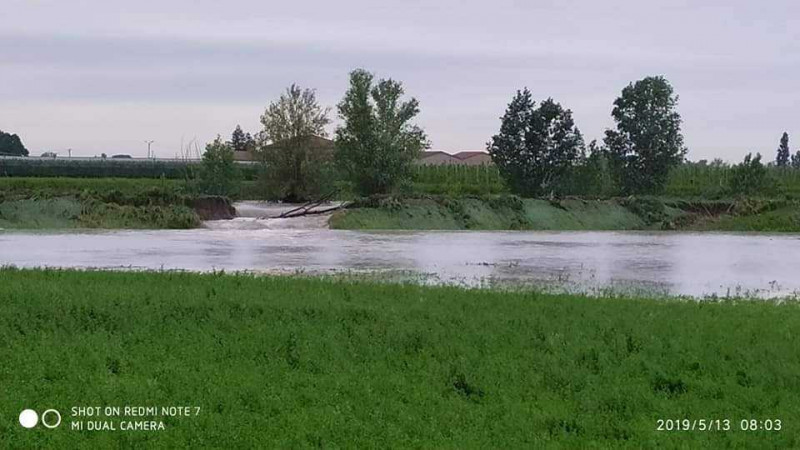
647	141
241	141
782	159
218	173
535	147
10	144
295	169
377	143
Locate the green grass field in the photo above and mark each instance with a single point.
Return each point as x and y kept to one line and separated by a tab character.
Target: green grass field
513	213
290	362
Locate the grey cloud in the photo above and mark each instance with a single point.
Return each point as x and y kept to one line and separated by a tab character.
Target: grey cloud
734	63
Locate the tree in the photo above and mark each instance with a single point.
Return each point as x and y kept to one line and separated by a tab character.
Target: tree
218	172
295	168
377	145
238	140
647	142
10	144
535	147
796	160
241	141
782	160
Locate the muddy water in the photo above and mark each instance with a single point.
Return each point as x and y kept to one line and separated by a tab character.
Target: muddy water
674	263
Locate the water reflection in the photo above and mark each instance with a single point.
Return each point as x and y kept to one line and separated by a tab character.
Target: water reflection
688	264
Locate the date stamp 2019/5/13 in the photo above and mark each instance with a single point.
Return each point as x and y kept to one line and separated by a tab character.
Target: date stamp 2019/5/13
719	425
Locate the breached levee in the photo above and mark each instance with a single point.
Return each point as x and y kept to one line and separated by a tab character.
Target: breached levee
213	207
252	215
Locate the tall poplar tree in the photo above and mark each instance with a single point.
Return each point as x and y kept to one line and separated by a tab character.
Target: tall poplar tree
782	160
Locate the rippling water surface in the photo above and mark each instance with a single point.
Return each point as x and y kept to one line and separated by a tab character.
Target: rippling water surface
674	263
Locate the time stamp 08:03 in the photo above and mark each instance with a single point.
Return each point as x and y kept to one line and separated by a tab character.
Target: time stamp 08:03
718	425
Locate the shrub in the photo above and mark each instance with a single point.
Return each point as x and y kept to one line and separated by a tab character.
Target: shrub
219	174
749	177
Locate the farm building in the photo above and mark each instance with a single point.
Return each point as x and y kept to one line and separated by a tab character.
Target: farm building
475	158
317	143
440	158
430	158
437	158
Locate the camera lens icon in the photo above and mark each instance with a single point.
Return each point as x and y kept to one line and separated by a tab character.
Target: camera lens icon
28	418
51	418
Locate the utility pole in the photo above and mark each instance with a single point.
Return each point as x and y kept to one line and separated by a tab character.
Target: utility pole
69	152
148	147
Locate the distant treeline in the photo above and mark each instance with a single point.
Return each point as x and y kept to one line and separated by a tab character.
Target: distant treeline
108	168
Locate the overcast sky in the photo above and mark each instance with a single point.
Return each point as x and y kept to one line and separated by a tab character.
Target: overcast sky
103	76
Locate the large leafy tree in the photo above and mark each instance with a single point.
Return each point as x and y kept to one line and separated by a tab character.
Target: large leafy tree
10	144
647	142
782	159
535	147
377	143
796	160
295	167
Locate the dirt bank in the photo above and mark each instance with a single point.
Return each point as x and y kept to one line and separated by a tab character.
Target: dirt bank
213	208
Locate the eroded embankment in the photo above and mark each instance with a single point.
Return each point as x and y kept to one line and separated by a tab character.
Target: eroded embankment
152	209
514	213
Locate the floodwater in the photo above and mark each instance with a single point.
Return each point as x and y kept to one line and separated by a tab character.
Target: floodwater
694	264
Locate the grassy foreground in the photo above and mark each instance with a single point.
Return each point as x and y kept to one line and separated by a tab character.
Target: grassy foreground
291	362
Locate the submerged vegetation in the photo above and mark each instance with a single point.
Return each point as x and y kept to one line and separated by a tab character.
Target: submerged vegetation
288	362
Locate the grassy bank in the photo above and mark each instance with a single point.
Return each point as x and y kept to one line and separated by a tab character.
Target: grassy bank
47	203
70	212
163	203
512	213
20	187
292	362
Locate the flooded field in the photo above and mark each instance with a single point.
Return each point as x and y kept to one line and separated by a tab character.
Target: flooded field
670	263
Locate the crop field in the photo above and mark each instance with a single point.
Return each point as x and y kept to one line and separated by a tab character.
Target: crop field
107	168
268	362
685	181
714	181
